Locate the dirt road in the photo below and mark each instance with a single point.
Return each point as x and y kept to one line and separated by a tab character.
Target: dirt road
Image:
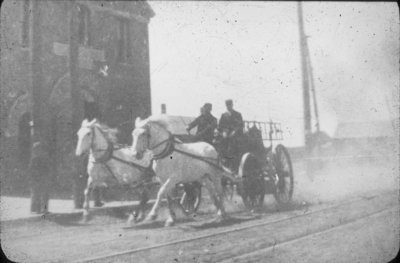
362	229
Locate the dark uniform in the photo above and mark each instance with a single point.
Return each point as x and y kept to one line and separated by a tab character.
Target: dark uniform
91	111
206	123
231	124
39	168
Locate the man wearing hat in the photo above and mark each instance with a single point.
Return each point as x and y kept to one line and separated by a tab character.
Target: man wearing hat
231	127
206	123
231	121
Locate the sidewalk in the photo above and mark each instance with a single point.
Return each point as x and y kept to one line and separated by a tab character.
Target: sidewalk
14	209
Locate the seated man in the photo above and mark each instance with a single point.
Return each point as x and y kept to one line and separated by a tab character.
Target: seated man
206	123
231	128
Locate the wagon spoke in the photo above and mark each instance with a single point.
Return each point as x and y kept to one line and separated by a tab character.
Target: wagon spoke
284	171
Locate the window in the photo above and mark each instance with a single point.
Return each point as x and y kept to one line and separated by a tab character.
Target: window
26	14
83	25
124	41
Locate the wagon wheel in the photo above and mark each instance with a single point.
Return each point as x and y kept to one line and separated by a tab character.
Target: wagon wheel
251	188
284	170
189	197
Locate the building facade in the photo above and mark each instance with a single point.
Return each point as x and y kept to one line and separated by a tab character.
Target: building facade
51	49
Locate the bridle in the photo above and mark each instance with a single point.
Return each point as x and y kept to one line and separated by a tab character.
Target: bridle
170	141
170	147
108	154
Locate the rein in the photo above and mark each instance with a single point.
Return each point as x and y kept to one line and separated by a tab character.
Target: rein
170	148
108	151
135	165
167	150
201	158
109	155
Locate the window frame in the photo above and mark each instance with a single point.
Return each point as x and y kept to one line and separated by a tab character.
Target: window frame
124	52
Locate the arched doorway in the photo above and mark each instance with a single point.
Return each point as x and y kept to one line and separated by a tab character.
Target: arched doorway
64	136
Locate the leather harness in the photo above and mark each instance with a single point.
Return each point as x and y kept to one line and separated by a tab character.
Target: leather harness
108	155
170	148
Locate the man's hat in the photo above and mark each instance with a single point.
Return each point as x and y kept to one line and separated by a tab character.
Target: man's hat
229	102
207	106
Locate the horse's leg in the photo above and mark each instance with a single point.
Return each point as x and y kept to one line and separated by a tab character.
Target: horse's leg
163	189
172	216
87	192
144	197
214	187
140	211
219	191
212	191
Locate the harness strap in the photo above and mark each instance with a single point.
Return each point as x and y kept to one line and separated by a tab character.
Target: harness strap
167	150
201	158
137	166
143	169
107	155
110	171
108	152
171	148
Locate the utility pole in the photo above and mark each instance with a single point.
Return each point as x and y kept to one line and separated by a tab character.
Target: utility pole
310	71
306	81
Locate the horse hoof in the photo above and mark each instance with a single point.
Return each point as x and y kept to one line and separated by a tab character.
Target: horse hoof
138	220
85	219
152	217
220	219
169	223
131	220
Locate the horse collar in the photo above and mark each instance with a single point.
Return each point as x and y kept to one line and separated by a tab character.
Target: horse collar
107	152
169	148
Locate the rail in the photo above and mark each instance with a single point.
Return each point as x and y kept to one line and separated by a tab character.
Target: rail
319	211
270	131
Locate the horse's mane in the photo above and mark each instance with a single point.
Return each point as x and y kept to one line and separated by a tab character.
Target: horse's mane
110	133
162	120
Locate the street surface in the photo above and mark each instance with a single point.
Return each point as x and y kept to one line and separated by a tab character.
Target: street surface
362	229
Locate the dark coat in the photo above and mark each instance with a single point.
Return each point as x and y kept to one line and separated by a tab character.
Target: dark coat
205	127
39	165
231	121
91	111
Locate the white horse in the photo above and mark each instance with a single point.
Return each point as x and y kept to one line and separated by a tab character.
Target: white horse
109	166
177	162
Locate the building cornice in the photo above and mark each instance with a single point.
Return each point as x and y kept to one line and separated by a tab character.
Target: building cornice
99	7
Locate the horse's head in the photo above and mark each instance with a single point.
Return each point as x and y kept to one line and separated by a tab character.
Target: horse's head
140	138
85	137
150	134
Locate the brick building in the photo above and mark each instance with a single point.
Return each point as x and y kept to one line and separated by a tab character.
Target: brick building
50	49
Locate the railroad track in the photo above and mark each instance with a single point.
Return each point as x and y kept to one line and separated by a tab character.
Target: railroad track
254	256
323	219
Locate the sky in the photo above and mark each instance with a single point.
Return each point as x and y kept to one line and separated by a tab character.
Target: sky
249	52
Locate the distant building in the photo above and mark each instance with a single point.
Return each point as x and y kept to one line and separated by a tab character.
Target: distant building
49	49
365	137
